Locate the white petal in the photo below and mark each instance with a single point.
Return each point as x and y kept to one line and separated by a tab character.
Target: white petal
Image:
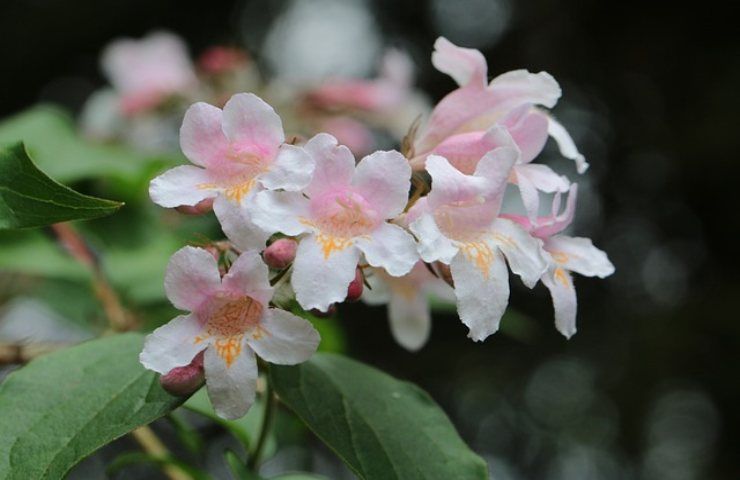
528	192
390	247
579	255
247	119
318	280
172	345
183	185
384	179
378	293
285	212
335	164
520	86
202	139
249	276
523	252
543	177
291	170
410	320
191	278
566	144
433	245
496	165
236	222
231	388
464	65
284	338
450	185
481	300
563	294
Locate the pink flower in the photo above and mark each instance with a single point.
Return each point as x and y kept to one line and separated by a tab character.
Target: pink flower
230	319
407	298
342	214
145	72
564	255
458	224
236	152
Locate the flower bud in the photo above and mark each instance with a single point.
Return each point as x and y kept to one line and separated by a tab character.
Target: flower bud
443	270
280	253
354	291
204	206
182	381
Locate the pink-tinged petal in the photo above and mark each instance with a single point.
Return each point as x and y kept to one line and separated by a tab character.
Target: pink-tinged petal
284	212
523	252
535	178
320	280
520	86
335	164
390	247
566	144
528	128
529	194
464	65
465	150
350	132
252	125
172	345
384	180
495	167
291	170
183	185
231	386
201	138
433	245
192	277
481	299
579	255
283	338
249	276
545	227
449	185
236	222
563	294
410	320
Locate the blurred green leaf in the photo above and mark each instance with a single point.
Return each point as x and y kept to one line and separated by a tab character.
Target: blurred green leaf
332	335
61	407
28	198
382	428
238	468
33	253
138	458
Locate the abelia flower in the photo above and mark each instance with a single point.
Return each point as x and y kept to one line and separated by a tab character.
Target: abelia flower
407	298
229	318
145	72
477	104
342	214
236	151
458	224
564	255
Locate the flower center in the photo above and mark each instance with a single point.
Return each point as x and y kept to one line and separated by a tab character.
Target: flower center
227	319
464	221
343	215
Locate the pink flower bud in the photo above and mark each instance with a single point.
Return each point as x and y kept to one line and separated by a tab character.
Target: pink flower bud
354	291
199	208
328	313
280	253
182	381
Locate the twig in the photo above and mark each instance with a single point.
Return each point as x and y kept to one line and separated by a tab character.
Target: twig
152	445
267	417
25	352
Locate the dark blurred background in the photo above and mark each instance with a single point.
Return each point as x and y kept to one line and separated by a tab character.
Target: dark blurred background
648	388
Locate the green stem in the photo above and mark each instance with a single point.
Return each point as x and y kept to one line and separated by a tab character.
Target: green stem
267	417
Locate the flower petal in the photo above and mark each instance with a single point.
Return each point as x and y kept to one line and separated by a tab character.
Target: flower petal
284	212
549	226
520	86
433	245
236	222
523	252
172	345
410	320
231	387
533	178
249	276
291	170
183	185
320	280
464	65
528	128
384	179
191	277
566	144
449	185
201	137
563	294
249	121
579	255
481	300
284	338
390	247
335	164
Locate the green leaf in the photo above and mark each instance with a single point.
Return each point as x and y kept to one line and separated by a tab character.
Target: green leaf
28	198
61	407
382	428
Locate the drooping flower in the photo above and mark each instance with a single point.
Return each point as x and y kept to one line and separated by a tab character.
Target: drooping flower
565	254
230	319
236	151
343	213
458	224
407	298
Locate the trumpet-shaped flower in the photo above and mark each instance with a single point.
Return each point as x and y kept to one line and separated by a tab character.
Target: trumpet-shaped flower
230	319
344	213
235	151
458	224
407	298
564	255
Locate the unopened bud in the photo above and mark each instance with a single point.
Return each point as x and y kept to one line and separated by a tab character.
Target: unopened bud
328	313
280	253
444	273
182	381
354	291
204	206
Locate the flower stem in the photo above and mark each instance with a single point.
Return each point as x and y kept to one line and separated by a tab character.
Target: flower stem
267	417
152	445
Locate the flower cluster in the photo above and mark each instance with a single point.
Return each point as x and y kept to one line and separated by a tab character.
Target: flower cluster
325	223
